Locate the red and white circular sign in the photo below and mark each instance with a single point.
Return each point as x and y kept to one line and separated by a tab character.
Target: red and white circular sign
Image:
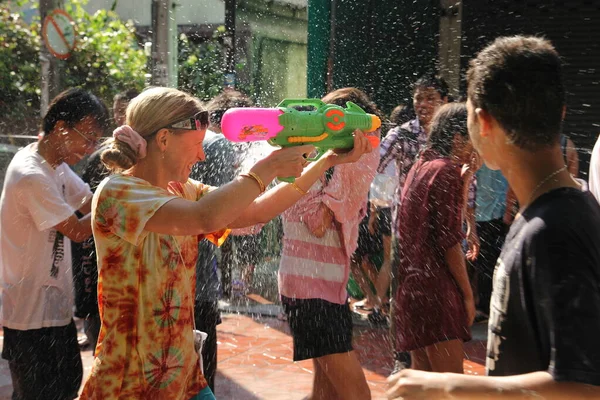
58	33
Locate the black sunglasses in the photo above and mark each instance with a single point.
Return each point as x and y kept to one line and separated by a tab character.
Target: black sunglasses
197	122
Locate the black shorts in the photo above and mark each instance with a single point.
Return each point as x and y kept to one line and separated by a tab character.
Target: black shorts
319	328
368	244
44	363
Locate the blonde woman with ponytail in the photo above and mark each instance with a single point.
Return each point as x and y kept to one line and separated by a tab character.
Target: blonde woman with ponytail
147	218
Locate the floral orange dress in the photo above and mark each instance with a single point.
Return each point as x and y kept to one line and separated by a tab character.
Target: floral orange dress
146	287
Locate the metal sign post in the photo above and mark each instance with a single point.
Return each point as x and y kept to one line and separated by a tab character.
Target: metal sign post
164	44
51	84
229	41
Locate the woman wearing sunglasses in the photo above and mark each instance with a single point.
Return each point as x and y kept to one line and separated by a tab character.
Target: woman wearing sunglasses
147	219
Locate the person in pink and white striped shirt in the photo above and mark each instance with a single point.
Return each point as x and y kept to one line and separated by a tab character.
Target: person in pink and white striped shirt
320	236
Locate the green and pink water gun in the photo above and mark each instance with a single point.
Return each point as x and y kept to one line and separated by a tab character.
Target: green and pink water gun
296	122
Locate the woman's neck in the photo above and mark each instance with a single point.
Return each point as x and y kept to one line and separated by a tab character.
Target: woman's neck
148	171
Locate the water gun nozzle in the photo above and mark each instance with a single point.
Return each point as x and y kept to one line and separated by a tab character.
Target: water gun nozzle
375	123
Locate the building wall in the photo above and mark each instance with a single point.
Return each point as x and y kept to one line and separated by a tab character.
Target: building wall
277	52
187	12
380	46
572	26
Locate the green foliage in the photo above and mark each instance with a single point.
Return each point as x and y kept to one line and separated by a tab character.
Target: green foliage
107	59
19	66
201	66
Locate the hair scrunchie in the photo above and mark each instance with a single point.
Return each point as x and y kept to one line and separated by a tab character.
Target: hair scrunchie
126	134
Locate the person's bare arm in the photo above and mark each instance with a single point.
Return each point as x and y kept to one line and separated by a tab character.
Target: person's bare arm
412	385
76	229
572	158
236	205
468	171
455	258
215	210
86	208
473	243
281	197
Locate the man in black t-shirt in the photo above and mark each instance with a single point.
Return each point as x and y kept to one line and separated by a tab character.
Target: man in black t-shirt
545	310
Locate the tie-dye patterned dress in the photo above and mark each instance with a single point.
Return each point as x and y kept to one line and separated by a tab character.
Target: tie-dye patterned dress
146	286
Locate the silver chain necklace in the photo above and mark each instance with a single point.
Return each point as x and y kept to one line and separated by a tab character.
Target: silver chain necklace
546	179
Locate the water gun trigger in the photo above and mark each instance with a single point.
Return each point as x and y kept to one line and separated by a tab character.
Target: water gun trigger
318	155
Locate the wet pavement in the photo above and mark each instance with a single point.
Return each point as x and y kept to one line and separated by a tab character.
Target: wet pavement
255	357
255	360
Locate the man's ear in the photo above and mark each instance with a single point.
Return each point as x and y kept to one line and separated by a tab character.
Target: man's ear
485	121
60	127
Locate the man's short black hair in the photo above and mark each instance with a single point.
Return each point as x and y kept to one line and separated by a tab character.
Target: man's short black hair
72	106
518	81
432	80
